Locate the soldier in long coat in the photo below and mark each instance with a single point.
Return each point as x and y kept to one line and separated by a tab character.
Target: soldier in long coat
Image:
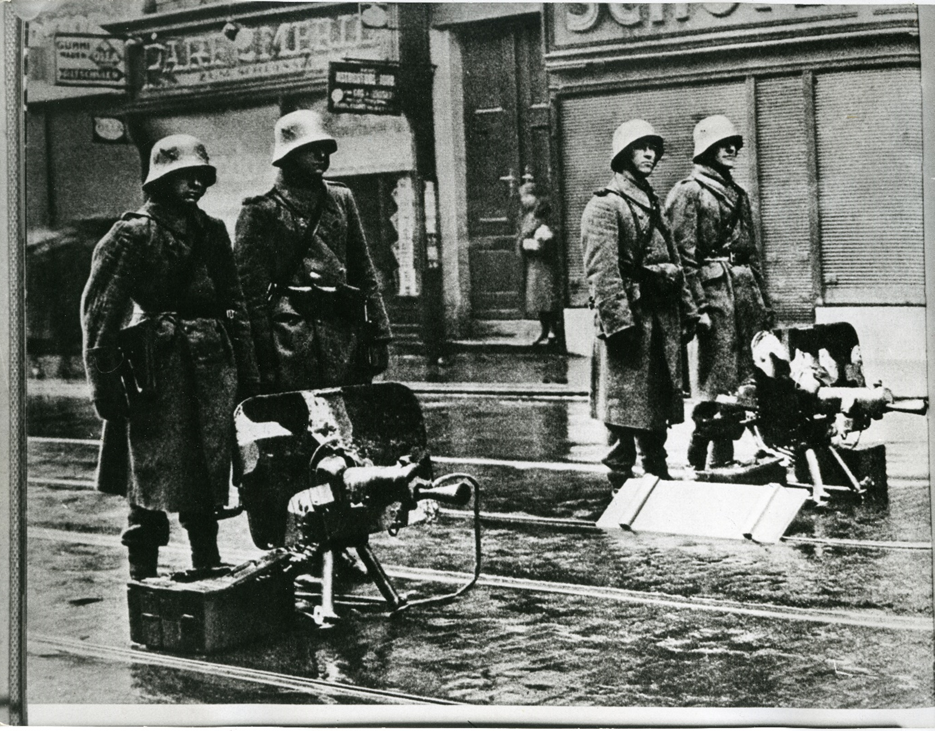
167	352
316	312
642	309
712	225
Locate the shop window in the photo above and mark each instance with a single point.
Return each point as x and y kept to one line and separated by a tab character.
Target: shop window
869	144
387	211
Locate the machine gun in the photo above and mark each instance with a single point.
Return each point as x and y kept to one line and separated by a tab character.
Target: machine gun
320	471
809	400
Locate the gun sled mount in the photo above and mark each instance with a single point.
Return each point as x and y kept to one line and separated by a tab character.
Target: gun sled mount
807	406
320	471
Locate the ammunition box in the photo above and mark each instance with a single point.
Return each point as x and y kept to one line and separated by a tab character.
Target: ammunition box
198	614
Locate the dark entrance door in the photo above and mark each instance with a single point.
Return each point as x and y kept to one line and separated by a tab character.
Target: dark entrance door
506	118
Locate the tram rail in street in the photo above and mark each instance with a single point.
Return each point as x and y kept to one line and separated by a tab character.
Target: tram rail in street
280	681
491	518
626	596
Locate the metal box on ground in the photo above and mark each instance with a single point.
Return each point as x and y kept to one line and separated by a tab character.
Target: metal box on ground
230	607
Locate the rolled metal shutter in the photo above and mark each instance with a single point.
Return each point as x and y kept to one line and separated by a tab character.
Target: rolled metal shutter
784	192
588	125
869	136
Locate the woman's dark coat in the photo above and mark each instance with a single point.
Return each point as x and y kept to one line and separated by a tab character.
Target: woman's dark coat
636	286
176	274
300	350
540	267
712	225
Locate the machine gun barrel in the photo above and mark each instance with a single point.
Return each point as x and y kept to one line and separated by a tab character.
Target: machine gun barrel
874	401
909	405
458	494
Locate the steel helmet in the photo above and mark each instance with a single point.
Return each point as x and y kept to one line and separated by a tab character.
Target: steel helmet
633	131
298	129
179	152
711	130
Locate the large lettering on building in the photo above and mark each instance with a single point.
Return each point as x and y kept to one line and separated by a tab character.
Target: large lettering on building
577	24
301	47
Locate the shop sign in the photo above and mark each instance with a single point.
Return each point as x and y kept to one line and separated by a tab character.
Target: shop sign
89	60
577	24
361	88
300	48
109	130
404	220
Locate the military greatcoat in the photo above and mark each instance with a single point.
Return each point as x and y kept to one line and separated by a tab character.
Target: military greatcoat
635	283
175	274
277	241
712	226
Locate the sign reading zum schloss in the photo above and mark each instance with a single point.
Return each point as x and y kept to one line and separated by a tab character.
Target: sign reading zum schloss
299	47
89	60
361	88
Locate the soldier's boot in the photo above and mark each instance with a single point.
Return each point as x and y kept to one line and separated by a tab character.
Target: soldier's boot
653	448
622	456
146	531
144	561
722	452
202	531
698	452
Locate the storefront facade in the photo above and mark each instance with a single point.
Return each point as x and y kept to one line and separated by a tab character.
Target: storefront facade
829	100
229	89
827	97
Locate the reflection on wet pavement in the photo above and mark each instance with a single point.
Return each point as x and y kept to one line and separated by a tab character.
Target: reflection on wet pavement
508	644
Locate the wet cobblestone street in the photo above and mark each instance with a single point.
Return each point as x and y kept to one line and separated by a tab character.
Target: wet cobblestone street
563	614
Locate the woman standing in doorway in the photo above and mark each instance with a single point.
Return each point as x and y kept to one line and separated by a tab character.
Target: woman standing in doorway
538	247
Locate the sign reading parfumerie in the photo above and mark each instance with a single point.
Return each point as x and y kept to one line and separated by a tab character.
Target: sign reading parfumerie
90	60
363	88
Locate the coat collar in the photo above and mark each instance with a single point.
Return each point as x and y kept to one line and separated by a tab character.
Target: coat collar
638	191
301	200
179	222
723	186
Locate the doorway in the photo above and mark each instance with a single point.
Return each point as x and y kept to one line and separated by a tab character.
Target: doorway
506	119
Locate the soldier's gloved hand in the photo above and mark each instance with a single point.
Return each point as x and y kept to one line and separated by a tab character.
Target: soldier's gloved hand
112	409
688	331
379	358
704	322
247	390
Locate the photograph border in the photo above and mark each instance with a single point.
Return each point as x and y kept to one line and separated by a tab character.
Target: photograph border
13	544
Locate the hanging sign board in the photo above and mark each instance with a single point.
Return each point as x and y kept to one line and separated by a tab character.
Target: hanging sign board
363	87
89	60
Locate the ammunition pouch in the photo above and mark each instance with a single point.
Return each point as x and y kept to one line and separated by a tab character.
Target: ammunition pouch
138	343
315	302
660	283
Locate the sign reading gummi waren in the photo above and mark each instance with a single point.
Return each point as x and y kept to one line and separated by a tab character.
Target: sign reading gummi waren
579	24
299	48
89	60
